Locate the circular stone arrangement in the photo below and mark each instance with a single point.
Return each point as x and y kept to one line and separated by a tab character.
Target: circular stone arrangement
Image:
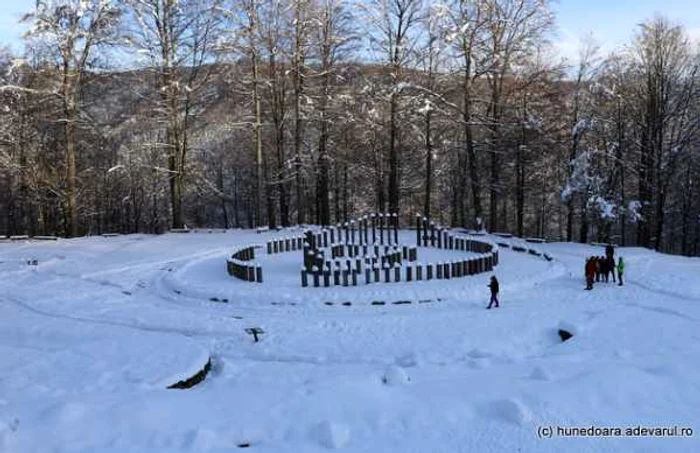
367	250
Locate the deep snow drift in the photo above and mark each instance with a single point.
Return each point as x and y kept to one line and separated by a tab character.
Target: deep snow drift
91	337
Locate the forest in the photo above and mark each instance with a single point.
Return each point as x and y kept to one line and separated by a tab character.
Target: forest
125	116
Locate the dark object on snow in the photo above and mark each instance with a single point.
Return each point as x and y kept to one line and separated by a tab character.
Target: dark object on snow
564	335
194	380
254	331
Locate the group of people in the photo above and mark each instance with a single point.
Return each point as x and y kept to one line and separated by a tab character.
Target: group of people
600	268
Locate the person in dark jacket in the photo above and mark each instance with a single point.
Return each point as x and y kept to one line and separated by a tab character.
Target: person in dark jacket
604	269
609	251
494	292
610	258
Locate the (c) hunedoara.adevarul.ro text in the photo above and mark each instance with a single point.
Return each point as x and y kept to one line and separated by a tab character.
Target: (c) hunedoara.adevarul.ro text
548	431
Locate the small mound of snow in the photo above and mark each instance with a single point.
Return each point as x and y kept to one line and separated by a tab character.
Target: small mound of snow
200	440
540	374
666	369
477	353
511	410
332	435
408	360
480	364
395	375
68	413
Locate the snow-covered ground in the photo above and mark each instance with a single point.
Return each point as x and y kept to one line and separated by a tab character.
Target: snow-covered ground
91	338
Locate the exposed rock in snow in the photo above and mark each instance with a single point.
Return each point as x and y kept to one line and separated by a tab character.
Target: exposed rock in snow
569	327
564	334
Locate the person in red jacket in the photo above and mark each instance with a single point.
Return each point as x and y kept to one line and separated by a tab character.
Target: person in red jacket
590	271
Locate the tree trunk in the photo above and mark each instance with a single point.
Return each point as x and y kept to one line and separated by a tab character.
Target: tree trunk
322	190
471	153
428	165
299	57
71	213
393	191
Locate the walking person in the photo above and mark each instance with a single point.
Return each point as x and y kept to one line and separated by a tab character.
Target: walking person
620	270
494	292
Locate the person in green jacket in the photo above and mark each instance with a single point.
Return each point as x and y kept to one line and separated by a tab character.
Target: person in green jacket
620	270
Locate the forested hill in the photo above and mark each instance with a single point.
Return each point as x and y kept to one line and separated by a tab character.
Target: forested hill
275	115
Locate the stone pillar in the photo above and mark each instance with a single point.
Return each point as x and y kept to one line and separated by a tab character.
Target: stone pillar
418	229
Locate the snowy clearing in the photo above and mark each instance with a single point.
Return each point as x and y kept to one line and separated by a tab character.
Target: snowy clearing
94	333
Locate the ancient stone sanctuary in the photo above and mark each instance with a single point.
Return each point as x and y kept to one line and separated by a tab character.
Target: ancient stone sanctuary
368	250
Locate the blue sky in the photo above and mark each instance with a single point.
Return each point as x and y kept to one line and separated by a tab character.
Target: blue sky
10	30
611	22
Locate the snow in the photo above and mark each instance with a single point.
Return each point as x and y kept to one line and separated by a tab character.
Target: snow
395	375
333	435
91	337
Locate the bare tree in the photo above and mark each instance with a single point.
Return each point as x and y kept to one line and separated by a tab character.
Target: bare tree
176	39
582	115
71	31
395	22
669	74
515	28
334	35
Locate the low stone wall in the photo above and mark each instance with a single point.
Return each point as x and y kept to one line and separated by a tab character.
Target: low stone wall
242	266
193	380
290	244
